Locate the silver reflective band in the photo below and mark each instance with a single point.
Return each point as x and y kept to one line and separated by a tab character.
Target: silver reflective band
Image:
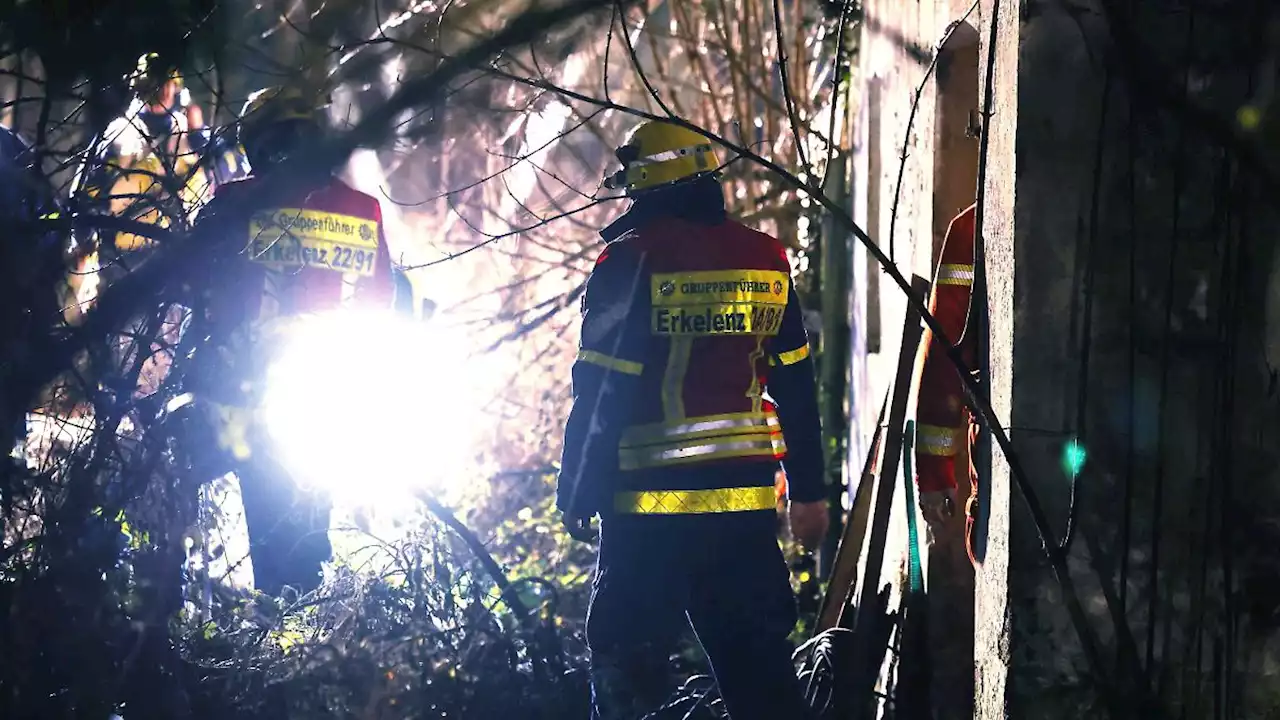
727	425
677	430
671	155
955	274
694	451
935	440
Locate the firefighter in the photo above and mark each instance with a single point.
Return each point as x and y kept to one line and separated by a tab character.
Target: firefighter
32	256
164	107
943	422
144	166
161	125
946	483
693	366
321	249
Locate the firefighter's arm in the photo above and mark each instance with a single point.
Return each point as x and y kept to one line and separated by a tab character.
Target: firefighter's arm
940	402
605	375
794	389
198	134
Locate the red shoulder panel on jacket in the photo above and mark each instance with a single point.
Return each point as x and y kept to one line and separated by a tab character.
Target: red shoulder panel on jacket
964	221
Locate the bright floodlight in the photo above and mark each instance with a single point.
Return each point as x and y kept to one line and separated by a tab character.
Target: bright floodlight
369	404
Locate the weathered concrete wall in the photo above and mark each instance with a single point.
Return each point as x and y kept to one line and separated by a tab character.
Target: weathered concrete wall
1128	259
1123	200
921	112
991	633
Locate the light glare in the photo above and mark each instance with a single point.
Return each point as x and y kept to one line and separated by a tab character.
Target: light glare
369	405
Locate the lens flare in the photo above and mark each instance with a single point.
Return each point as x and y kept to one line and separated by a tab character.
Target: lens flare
370	406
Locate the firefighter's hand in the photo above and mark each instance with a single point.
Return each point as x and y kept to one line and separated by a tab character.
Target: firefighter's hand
938	507
579	528
809	522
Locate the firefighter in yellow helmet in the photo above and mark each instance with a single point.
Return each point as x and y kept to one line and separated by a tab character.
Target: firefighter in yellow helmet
692	382
146	165
321	248
164	107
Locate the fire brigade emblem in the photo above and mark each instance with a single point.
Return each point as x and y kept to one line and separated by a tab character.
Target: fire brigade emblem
667	288
366	232
777	287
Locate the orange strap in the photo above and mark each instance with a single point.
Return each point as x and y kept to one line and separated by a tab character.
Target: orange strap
970	506
968	532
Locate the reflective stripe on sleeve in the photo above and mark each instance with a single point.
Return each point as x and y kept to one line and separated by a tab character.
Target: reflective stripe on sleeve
791	357
937	440
611	363
680	502
955	275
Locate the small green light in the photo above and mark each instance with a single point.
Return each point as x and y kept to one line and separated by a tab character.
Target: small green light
1073	457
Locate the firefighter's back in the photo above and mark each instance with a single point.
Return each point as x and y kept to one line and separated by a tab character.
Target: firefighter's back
309	253
671	439
715	297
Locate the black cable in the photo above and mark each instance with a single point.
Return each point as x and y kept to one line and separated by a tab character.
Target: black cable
1131	451
1157	504
1086	330
818	669
1236	266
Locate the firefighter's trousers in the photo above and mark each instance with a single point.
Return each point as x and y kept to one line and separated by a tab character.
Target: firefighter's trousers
288	528
288	525
724	574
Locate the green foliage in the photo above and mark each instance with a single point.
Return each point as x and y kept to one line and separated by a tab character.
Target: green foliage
529	540
95	527
427	638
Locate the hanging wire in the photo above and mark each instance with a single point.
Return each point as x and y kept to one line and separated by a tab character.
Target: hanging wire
1230	320
1080	435
1157	503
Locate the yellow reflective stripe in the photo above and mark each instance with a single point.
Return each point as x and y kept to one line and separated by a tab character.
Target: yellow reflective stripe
794	356
937	440
612	363
673	378
698	427
953	274
750	444
681	502
754	390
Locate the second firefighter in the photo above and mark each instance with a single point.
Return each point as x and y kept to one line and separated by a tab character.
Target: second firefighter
692	382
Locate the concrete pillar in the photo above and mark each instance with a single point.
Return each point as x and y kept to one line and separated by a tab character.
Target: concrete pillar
1041	174
992	606
1044	119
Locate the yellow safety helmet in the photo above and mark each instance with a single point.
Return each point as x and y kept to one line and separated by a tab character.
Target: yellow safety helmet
151	74
270	119
659	153
273	105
